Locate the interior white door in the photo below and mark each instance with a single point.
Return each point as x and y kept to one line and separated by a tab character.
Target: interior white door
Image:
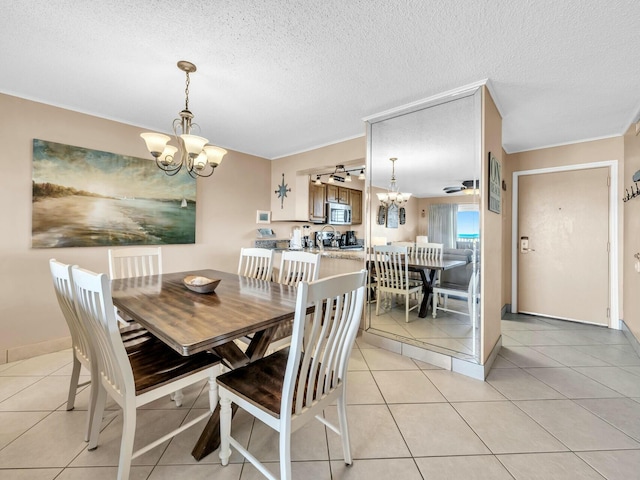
563	242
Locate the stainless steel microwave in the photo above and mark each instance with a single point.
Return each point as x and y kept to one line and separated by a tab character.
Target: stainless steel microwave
339	214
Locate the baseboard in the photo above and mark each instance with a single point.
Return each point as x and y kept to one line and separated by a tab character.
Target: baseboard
33	350
506	308
630	336
442	360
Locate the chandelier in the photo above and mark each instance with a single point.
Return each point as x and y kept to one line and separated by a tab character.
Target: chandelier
392	195
195	153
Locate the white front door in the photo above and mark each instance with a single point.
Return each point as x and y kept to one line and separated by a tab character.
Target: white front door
563	241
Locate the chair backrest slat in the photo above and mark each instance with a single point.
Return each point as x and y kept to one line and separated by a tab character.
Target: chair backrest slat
256	263
95	309
321	343
135	262
296	267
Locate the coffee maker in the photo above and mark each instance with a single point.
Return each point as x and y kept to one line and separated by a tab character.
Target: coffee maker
349	238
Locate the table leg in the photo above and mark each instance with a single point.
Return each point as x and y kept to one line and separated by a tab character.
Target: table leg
233	357
427	290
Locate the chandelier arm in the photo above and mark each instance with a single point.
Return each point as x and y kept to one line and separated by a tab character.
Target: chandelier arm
168	169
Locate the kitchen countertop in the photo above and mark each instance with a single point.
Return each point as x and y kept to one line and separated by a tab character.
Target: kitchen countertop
347	254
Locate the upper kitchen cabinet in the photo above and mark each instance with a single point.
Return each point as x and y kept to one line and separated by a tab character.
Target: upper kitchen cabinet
355	200
317	203
336	194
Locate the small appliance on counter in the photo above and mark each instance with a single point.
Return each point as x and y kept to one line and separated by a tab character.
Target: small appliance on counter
296	239
327	239
349	240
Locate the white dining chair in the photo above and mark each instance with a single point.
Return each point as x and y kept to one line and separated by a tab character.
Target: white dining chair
464	292
133	379
422	239
134	262
287	389
392	276
80	343
410	246
430	252
256	263
296	267
83	355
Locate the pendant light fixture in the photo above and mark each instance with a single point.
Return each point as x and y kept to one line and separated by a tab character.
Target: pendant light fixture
393	195
195	153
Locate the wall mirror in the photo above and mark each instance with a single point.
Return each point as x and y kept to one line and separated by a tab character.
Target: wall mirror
437	145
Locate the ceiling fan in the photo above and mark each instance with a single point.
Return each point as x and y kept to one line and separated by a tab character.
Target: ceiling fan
467	184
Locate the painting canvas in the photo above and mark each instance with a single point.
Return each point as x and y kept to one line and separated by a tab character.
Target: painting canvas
495	184
86	198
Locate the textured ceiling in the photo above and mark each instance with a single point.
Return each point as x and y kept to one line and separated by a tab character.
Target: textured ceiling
278	77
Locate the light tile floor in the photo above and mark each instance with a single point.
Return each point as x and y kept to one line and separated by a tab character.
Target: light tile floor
562	402
452	333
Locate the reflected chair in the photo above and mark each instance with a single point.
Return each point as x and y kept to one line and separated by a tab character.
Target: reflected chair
256	263
133	378
287	389
467	292
392	275
410	246
422	239
430	252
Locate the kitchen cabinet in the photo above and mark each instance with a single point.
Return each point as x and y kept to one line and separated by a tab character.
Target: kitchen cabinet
332	193
355	200
317	203
336	194
343	195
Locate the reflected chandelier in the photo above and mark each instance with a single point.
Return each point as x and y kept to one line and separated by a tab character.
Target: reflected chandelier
393	196
199	157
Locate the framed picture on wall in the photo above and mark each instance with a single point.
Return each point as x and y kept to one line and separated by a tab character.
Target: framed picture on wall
263	216
495	184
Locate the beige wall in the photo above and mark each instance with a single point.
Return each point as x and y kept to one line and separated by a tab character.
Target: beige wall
324	158
225	218
578	153
631	209
491	248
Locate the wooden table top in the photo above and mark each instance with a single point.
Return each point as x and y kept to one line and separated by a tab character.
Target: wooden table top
191	322
420	263
435	264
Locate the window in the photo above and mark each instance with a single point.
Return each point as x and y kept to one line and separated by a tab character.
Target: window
468	225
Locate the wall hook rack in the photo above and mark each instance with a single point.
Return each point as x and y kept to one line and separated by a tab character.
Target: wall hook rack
631	194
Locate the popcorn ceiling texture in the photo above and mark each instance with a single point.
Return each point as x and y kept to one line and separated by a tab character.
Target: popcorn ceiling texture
277	77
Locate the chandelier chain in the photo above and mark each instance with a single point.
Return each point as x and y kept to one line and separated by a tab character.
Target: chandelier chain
186	92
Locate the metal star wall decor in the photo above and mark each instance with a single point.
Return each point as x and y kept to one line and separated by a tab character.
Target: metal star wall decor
282	191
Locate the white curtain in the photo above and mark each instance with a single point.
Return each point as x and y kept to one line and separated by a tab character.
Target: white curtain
443	224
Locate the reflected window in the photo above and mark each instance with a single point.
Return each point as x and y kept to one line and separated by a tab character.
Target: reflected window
468	225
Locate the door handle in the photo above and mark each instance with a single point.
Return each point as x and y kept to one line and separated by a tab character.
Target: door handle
524	245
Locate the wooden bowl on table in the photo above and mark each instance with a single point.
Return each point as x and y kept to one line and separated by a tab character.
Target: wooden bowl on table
200	284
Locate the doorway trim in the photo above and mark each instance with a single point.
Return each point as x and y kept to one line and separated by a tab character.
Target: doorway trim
614	318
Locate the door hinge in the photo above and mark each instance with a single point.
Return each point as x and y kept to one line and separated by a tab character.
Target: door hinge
608	312
608	181
608	246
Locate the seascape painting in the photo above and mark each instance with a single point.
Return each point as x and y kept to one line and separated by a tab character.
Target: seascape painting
88	198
